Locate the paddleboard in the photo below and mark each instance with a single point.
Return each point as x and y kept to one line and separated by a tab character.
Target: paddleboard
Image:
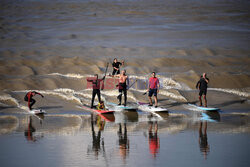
145	107
97	111
37	111
204	108
129	107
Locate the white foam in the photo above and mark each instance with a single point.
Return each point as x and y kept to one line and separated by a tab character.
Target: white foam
70	75
8	97
232	91
172	95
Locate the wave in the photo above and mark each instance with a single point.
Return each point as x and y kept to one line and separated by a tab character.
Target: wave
70	75
9	98
232	91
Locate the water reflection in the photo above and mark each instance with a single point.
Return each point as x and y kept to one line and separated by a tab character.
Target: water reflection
29	132
204	146
123	141
153	139
97	142
209	116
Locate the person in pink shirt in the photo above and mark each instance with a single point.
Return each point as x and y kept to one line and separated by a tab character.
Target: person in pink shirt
153	89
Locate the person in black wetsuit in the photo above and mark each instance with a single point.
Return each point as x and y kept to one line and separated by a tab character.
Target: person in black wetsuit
30	100
116	66
123	82
202	86
96	88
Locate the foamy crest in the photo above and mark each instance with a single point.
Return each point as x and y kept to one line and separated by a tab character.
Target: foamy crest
232	91
8	97
115	94
169	83
172	95
70	75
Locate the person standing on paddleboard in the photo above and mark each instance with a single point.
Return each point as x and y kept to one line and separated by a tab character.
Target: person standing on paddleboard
96	88
122	86
116	66
153	89
30	100
202	86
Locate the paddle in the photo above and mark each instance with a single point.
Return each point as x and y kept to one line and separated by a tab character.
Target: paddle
119	96
105	76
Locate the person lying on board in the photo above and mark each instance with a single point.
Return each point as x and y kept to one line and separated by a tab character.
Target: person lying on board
202	86
122	86
116	66
96	88
30	100
101	106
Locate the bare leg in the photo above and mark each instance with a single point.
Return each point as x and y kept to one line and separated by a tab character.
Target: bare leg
156	100
205	100
200	100
150	100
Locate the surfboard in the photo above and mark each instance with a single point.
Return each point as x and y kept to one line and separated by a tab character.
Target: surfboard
204	108
145	107
37	111
129	107
97	111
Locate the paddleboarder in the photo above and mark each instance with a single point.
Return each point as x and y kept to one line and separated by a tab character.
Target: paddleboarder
153	89
202	86
30	100
122	86
96	88
116	66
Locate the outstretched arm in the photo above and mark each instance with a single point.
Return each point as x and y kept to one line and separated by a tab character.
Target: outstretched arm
39	94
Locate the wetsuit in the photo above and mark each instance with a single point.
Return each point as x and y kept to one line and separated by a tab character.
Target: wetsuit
116	65
96	89
202	85
123	88
30	100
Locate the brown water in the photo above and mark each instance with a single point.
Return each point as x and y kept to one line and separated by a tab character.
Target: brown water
53	46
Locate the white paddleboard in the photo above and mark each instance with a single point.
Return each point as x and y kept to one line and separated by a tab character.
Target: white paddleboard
204	108
37	111
145	107
129	107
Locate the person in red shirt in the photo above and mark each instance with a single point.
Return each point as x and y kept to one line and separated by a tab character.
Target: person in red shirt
96	88
153	89
30	100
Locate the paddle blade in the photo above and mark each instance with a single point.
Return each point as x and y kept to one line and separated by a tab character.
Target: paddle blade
145	93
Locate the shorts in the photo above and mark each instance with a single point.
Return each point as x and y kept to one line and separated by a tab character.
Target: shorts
203	92
115	72
151	92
